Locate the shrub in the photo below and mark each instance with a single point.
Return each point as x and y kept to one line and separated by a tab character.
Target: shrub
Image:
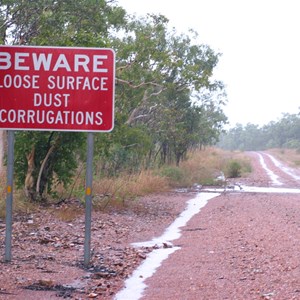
175	175
233	169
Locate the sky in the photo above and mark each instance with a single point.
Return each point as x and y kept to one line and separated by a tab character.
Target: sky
260	46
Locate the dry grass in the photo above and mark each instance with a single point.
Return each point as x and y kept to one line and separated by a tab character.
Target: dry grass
67	214
20	204
127	187
201	167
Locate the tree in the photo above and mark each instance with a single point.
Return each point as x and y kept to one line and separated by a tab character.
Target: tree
283	133
62	23
45	159
158	73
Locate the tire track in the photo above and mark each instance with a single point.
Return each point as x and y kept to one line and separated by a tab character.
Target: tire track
274	177
278	173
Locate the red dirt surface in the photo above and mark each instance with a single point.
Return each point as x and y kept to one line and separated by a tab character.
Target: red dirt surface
240	246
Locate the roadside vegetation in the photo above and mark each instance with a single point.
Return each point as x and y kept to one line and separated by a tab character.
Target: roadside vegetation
201	167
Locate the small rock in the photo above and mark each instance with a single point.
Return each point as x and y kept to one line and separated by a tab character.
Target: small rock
92	295
142	255
167	245
45	283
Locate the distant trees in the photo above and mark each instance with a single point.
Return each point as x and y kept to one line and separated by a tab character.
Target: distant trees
166	101
285	133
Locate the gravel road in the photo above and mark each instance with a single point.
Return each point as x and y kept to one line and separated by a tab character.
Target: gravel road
241	245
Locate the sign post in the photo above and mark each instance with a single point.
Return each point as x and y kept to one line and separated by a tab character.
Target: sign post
56	89
88	198
9	196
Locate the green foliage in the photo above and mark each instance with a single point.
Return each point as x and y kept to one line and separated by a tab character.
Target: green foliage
174	174
62	162
124	149
62	23
233	169
210	181
283	133
173	70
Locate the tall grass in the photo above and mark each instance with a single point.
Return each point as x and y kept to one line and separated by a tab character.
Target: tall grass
201	167
20	205
127	187
204	166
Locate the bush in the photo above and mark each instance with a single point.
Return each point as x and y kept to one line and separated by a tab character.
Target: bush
233	169
174	174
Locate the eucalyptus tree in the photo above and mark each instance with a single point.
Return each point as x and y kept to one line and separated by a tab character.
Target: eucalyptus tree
158	72
62	23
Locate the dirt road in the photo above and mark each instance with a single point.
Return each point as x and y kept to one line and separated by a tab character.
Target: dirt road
241	245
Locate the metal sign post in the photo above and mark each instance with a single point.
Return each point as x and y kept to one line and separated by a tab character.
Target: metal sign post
88	198
9	195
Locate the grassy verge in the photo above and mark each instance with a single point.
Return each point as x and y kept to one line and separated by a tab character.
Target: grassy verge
200	167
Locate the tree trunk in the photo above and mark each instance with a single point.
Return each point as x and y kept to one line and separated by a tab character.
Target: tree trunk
41	187
29	179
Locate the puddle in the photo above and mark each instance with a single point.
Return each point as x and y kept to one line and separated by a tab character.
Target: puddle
173	232
271	174
253	189
135	286
283	168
